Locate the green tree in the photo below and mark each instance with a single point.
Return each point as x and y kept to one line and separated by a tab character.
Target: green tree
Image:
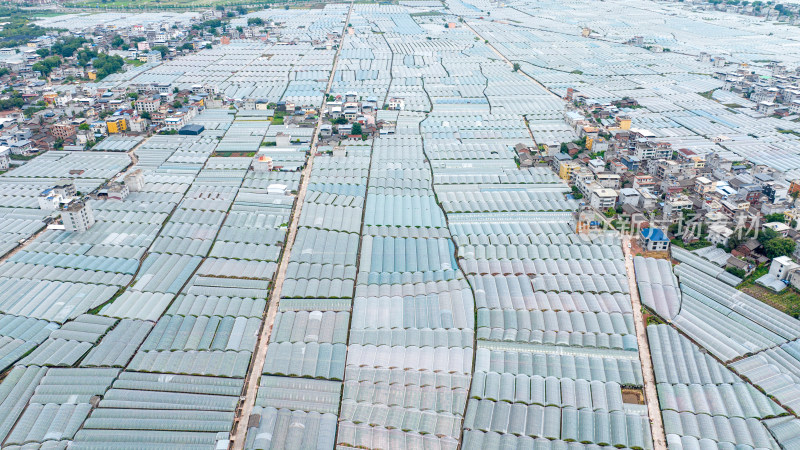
145	115
777	217
766	235
106	64
46	65
84	126
13	102
255	21
85	57
735	271
779	247
133	95
356	129
117	41
66	47
516	67
213	23
161	49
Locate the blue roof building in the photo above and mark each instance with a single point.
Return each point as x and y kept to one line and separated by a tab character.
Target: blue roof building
654	240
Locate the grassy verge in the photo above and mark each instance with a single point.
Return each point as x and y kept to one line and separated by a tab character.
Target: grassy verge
707	94
234	154
787	300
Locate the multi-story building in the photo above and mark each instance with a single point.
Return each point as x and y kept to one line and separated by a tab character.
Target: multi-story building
675	206
566	169
583	180
63	130
603	198
147	105
134	180
704	186
609	180
647	200
643	181
116	125
5	158
66	189
669	169
719	234
646	149
397	103
654	240
77	216
49	200
117	191
262	163
776	191
629	196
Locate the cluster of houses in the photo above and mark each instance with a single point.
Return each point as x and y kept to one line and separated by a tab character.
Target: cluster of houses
777	94
625	172
63	201
770	10
63	113
344	111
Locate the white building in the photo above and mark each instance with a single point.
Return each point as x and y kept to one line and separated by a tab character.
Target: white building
78	217
118	191
629	196
781	269
397	103
778	227
5	158
719	234
134	180
603	198
147	105
262	163
283	140
673	208
49	200
766	108
653	239
66	189
277	189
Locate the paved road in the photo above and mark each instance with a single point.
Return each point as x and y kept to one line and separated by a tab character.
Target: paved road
650	394
257	363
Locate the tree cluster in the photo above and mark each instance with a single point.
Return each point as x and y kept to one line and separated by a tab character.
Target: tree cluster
66	47
106	64
47	65
774	244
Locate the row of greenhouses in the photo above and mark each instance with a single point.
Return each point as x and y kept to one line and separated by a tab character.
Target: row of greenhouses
305	360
